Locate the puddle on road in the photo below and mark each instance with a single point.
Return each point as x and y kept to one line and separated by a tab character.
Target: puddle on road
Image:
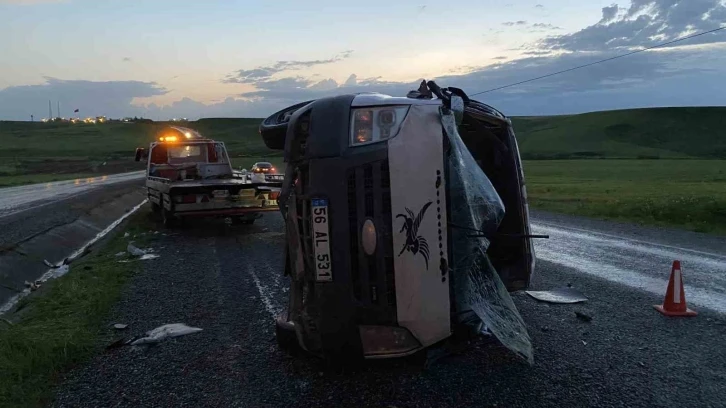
58	271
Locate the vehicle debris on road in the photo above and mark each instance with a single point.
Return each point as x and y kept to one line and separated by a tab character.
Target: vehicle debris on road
562	295
66	261
135	251
33	286
156	335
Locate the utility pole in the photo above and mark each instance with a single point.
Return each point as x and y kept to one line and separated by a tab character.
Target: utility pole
50	111
31	118
58	111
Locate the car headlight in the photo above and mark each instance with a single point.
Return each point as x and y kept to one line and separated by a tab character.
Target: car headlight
370	125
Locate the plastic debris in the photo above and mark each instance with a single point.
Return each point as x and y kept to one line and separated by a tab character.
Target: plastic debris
126	235
120	254
148	256
562	295
120	326
33	286
60	271
135	251
65	262
157	335
166	331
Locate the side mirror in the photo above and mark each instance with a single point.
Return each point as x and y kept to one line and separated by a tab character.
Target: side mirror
141	153
274	129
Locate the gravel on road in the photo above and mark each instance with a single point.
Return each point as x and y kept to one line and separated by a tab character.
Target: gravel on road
229	283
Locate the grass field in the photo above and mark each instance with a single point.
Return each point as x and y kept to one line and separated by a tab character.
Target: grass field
41	152
633	133
686	193
61	325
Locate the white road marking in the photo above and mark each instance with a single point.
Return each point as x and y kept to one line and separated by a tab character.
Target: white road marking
58	272
635	263
265	294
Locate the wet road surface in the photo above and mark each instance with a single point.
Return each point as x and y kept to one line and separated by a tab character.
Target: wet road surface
17	199
635	262
52	228
229	283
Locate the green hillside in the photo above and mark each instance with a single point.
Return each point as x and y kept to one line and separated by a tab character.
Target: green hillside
633	133
116	140
42	152
685	188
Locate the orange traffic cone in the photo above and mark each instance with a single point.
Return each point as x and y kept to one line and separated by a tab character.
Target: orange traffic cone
674	303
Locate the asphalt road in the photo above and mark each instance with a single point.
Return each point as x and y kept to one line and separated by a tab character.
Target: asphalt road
229	283
40	223
14	200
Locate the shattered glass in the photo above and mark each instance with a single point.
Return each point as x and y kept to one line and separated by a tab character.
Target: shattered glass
476	212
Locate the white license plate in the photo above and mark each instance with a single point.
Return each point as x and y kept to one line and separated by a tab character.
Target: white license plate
220	193
321	240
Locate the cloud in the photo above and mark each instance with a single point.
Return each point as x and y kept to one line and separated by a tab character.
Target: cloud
609	13
126	59
501	57
677	76
545	26
261	75
537	52
101	98
539	6
29	2
645	23
352	80
324	85
636	76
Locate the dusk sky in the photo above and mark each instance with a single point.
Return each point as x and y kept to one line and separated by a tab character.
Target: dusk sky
215	58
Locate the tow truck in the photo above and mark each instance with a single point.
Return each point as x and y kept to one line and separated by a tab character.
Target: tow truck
189	175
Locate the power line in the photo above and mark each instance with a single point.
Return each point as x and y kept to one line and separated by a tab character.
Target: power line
601	61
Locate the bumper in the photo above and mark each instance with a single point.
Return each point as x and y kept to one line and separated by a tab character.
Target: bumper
378	342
